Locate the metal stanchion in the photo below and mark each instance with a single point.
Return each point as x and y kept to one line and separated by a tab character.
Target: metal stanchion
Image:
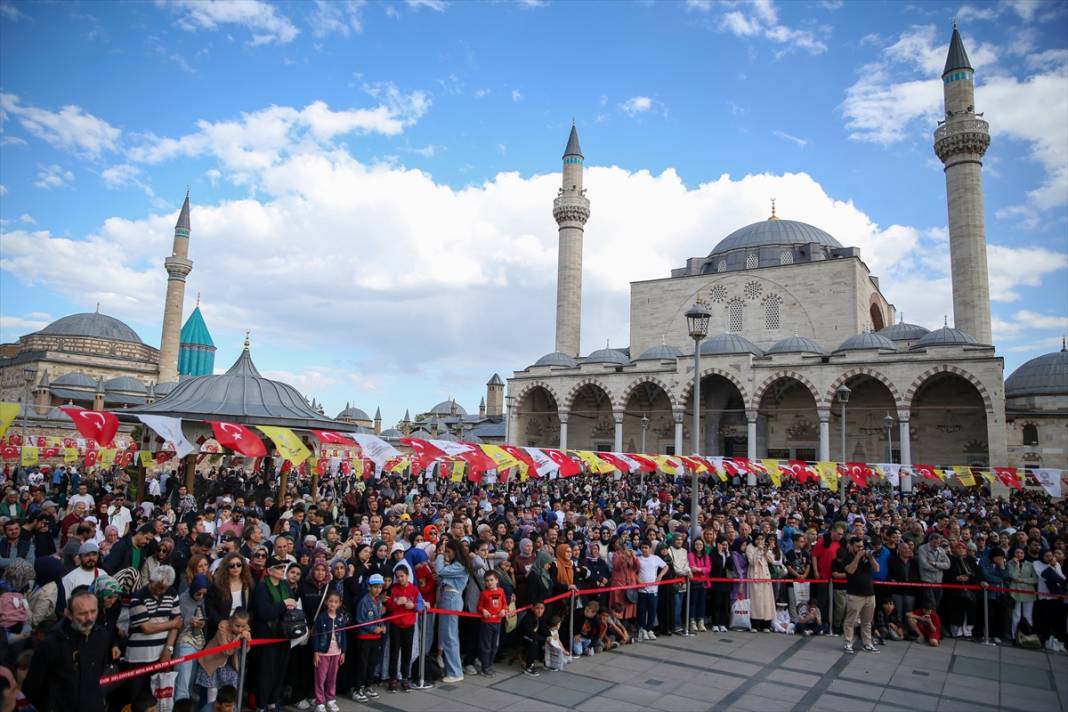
243	668
686	614
571	624
830	608
421	621
986	619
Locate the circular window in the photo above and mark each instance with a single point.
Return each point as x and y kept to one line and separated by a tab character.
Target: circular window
718	293
753	289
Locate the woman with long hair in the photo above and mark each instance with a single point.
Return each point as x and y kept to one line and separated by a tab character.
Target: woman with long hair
198	564
453	568
231	589
624	573
700	564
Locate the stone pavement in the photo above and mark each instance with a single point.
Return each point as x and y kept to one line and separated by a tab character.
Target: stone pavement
716	672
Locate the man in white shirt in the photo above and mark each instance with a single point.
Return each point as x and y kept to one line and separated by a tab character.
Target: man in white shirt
87	571
118	515
84	497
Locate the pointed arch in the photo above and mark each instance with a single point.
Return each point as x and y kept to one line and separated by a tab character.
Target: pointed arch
573	392
920	380
687	389
899	402
624	397
529	386
793	375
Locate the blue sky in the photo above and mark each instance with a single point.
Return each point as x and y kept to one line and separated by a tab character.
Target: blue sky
372	182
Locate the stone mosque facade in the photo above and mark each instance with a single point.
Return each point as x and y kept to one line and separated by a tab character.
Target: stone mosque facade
796	314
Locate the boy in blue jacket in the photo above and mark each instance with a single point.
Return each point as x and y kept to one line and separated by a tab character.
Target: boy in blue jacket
369	638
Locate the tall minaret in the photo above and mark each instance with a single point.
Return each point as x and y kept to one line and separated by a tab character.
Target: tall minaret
178	267
960	143
571	210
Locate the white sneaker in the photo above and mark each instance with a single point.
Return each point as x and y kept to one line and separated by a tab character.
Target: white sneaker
304	705
320	708
641	635
448	680
651	634
332	706
470	670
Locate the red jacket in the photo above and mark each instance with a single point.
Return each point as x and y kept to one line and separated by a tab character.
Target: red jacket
409	591
492	600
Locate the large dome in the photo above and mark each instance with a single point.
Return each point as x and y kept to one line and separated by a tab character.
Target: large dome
97	325
1043	376
449	407
774	232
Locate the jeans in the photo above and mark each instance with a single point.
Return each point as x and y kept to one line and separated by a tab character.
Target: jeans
1022	609
449	633
698	596
646	610
183	683
680	603
580	646
489	636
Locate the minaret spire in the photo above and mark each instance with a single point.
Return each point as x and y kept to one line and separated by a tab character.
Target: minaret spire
960	143
571	209
178	267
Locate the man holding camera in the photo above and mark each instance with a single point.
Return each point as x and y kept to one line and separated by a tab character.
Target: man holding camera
860	593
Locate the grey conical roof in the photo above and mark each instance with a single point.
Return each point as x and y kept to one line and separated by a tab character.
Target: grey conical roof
495	381
573	148
378	414
183	217
902	331
957	57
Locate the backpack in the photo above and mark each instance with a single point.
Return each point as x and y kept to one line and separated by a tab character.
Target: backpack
14	609
1026	637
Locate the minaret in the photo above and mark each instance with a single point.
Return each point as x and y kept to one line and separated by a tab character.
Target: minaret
571	210
495	397
178	267
960	143
378	421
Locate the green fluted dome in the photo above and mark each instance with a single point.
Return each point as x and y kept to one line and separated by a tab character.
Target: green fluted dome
196	353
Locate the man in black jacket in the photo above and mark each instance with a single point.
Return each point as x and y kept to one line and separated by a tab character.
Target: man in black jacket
131	550
64	675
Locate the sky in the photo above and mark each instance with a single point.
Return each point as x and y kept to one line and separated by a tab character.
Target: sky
372	183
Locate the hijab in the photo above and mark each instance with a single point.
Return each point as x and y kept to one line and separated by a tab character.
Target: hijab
565	572
538	569
105	586
20	575
49	569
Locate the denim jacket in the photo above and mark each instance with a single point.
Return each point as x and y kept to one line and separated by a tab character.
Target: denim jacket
323	628
369	609
453	576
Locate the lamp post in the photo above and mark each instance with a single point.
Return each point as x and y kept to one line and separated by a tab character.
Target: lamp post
889	421
28	374
645	426
843	397
697	322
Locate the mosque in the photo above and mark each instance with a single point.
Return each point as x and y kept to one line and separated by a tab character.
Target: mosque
801	338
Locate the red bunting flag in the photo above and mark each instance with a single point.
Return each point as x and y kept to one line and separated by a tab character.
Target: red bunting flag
615	461
48	452
568	467
928	472
524	457
94	425
10	452
859	473
801	470
1009	476
332	438
238	437
644	463
424	452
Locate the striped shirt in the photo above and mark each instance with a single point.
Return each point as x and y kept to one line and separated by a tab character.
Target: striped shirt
146	608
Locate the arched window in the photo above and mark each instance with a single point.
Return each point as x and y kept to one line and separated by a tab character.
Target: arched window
722	266
734	315
752	260
786	257
1030	434
772	318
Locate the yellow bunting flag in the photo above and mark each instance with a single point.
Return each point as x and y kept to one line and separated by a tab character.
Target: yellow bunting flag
987	475
105	457
597	465
666	464
828	474
30	456
965	475
500	457
8	413
457	474
773	471
146	458
70	454
289	445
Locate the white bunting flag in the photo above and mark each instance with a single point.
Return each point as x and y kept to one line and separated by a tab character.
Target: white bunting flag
170	429
375	449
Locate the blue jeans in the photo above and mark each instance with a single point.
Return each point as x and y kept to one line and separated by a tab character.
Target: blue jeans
580	646
183	683
449	633
646	610
680	604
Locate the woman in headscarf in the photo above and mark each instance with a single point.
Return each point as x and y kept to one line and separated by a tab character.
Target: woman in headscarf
522	561
109	593
563	570
598	572
18	578
191	637
47	599
665	599
110	536
540	579
624	573
380	557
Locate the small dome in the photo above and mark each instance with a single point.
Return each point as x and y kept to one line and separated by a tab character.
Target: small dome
96	325
774	232
608	356
124	383
729	344
1046	375
660	352
392	433
449	407
866	340
77	379
904	332
946	336
556	358
796	345
352	413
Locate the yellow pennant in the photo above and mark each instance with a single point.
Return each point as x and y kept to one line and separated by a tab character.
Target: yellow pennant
828	474
500	457
146	458
965	475
105	457
597	465
70	454
289	445
987	475
774	472
666	464
30	456
8	413
457	474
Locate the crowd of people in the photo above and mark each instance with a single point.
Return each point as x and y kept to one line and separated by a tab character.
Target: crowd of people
94	579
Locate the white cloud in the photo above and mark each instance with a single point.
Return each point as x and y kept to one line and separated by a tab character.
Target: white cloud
790	137
435	5
636	105
12	141
1056	322
53	176
340	17
517	95
27	219
120	175
261	19
427	151
9	12
71	128
760	18
3	189
213	175
533	3
482	91
1041	345
24	324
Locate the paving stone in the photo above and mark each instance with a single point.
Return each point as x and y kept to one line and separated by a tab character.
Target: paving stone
629	693
987	686
675	703
582	683
793	678
756	703
970	693
987	669
607	704
1028	698
777	692
910	700
945	705
856	689
828	701
1032	676
711	695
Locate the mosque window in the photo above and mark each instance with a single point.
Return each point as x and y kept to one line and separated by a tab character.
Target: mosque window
722	266
753	289
718	293
786	257
734	315
1030	434
772	318
752	261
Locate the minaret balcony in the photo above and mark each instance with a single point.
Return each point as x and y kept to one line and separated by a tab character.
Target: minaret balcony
571	207
178	267
969	135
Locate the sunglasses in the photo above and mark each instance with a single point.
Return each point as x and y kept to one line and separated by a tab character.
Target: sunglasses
259	555
235	565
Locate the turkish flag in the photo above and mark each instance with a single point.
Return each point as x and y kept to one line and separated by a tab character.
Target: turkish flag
68	442
424	452
237	437
644	462
329	436
95	425
286	467
345	467
621	465
90	458
568	467
801	470
524	457
163	455
50	452
322	466
124	459
42	441
1007	475
859	473
927	471
10	452
15	439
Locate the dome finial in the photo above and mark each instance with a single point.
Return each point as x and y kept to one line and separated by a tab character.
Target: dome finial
98	307
1064	346
248	332
945	321
198	299
773	215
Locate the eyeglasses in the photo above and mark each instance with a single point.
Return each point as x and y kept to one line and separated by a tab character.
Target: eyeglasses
259	555
235	565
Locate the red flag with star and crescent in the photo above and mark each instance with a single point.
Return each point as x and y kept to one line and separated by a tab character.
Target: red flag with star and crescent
97	425
332	438
424	452
1008	476
801	470
859	473
568	467
644	462
238	437
524	457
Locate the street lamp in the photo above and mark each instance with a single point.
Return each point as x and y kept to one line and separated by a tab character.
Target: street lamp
889	421
697	322
645	426
843	393
28	373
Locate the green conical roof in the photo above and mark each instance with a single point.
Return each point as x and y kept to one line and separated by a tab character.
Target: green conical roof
195	330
